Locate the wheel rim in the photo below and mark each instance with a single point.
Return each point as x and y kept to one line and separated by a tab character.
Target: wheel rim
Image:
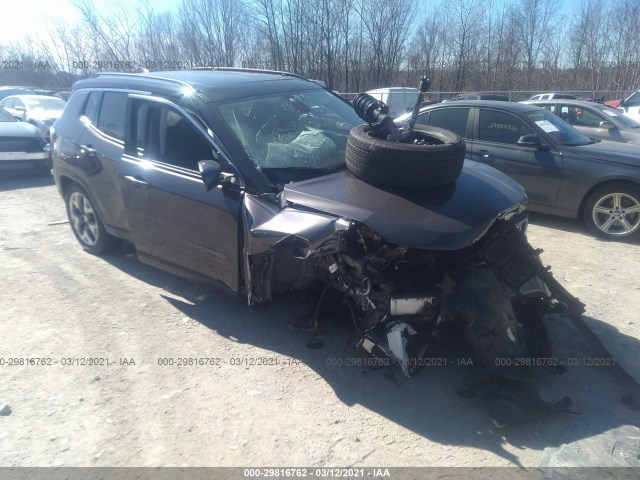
617	214
83	219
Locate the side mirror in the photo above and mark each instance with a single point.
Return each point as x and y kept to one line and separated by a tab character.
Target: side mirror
212	175
19	108
532	141
607	124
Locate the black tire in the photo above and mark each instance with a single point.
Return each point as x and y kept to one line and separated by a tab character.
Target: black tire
85	222
392	164
613	212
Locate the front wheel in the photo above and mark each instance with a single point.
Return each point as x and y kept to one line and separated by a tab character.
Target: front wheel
86	223
613	212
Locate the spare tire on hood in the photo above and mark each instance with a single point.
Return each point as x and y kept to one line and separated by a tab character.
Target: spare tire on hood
385	163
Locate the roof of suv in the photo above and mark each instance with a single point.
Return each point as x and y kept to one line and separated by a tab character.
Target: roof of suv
216	84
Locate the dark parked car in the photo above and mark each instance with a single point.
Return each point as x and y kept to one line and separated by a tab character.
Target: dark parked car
22	148
594	120
563	171
239	176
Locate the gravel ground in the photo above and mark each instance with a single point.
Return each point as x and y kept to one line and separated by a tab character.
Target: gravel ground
294	405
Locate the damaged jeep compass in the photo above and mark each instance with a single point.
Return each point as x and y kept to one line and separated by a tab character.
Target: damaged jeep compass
267	182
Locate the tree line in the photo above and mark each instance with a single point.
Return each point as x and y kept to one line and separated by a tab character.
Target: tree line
352	45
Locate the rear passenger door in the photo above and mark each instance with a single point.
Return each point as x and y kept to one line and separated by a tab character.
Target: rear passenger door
176	224
455	119
97	152
538	171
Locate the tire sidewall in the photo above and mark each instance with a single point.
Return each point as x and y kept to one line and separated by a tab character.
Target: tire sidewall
626	189
381	162
101	244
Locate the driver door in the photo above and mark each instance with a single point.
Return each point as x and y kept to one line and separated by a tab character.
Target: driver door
495	143
176	224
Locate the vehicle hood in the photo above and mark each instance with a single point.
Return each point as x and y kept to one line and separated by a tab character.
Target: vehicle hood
45	115
18	129
444	218
611	152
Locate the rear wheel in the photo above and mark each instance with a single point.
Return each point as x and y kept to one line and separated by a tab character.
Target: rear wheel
613	212
85	222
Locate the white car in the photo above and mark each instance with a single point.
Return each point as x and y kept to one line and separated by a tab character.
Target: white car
631	106
553	96
39	110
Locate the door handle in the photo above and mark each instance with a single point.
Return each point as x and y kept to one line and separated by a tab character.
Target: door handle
485	153
136	182
87	150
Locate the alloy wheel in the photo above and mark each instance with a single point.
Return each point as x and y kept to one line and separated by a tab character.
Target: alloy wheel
617	214
83	219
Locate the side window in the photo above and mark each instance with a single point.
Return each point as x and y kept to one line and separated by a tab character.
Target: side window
164	135
553	108
179	143
112	114
423	118
501	127
18	103
454	119
92	107
8	103
587	118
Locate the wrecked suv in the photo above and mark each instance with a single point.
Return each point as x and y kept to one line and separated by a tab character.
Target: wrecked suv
240	177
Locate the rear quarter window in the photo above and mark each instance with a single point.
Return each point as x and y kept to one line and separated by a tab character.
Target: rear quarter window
112	114
453	119
92	107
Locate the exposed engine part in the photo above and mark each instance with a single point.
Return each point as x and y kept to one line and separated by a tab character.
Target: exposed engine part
397	339
410	305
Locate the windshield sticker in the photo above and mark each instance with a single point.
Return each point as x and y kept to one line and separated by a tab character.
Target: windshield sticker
610	113
547	126
504	126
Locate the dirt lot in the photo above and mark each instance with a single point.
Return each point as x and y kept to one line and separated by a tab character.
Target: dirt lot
299	407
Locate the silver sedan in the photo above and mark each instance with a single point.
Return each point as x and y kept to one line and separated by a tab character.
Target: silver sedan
594	120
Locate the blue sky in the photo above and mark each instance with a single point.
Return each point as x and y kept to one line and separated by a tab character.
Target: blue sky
36	16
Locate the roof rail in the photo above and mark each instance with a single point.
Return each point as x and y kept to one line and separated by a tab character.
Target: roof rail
251	70
143	75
